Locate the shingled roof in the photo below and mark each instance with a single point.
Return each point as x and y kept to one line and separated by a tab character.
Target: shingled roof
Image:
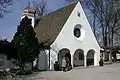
51	24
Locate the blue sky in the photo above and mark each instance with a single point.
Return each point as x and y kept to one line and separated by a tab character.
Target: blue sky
8	24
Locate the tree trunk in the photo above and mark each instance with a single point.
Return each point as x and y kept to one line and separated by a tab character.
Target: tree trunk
94	29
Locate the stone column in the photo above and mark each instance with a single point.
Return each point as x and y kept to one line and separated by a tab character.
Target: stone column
85	61
72	60
110	56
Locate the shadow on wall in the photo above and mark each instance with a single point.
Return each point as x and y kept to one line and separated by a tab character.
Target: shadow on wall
78	58
90	57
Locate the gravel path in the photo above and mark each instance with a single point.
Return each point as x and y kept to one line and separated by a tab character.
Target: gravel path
108	72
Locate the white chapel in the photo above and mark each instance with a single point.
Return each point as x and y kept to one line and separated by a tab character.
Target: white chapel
67	33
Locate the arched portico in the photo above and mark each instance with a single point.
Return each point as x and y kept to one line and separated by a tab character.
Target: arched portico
90	57
64	53
78	58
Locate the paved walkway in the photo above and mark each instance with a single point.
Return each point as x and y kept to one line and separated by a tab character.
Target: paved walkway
108	72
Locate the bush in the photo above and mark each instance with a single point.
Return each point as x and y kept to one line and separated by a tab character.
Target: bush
56	66
101	62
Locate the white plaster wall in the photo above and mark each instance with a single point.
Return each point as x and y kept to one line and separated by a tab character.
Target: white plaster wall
47	54
53	58
42	61
66	38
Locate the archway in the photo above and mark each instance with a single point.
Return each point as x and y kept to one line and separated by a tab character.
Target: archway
64	53
90	57
78	58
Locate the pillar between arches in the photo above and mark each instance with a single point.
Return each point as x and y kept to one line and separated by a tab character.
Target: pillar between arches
85	61
72	61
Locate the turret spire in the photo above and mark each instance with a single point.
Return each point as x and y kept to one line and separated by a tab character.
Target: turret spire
28	5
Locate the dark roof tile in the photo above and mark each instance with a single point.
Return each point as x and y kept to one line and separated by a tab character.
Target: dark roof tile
51	24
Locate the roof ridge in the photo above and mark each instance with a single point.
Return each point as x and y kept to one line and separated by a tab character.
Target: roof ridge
60	8
50	25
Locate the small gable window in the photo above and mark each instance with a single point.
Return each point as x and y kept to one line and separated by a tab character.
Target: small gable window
77	32
78	14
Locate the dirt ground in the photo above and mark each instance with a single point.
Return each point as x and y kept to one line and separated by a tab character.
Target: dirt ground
108	72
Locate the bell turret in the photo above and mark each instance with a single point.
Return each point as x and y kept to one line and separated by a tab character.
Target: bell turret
30	13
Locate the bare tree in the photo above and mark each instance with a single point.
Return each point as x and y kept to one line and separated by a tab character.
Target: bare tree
40	7
107	14
4	4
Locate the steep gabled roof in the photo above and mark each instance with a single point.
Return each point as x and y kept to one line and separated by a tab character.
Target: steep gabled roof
51	24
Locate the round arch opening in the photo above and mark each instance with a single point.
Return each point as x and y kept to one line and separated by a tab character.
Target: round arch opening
90	57
78	58
64	53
